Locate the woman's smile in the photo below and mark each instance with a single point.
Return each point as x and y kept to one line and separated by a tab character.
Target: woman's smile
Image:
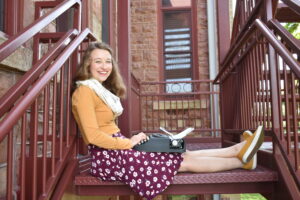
101	64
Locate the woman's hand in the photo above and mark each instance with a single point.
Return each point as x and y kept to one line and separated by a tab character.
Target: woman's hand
139	138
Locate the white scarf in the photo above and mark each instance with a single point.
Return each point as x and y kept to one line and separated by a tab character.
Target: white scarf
109	98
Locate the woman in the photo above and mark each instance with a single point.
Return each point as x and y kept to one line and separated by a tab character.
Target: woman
96	104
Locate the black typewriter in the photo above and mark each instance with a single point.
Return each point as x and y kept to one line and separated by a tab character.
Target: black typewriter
165	143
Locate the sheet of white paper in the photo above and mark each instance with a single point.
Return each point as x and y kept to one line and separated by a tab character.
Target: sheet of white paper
179	135
182	134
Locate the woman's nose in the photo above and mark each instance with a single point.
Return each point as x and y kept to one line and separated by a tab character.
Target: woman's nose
103	65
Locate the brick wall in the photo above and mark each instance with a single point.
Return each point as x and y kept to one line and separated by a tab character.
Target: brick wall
145	57
202	38
145	41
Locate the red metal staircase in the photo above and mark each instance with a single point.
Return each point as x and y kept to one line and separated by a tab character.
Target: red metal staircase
36	120
258	76
261	180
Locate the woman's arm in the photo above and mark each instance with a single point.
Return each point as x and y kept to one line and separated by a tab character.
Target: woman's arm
83	107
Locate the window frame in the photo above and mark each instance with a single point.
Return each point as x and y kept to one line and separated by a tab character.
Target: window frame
105	21
2	18
12	17
194	42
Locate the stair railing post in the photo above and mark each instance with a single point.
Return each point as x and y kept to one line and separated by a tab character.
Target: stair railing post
273	76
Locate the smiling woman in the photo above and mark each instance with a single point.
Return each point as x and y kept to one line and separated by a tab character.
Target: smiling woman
101	64
100	56
96	105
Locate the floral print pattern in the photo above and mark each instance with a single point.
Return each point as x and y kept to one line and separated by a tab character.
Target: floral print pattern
147	173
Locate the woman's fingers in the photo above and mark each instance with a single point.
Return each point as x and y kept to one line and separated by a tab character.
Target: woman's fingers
144	138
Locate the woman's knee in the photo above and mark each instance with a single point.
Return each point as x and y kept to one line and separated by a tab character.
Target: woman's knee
184	166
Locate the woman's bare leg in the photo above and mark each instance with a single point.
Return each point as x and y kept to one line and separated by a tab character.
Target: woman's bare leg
228	152
208	164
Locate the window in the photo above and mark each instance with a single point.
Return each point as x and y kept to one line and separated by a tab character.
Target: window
11	16
105	21
2	15
177	44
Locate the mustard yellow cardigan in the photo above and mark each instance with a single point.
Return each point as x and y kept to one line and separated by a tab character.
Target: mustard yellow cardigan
96	120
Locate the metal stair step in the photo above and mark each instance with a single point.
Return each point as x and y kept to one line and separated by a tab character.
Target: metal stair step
260	174
260	180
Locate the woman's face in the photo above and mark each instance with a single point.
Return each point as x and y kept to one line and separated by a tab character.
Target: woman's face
101	64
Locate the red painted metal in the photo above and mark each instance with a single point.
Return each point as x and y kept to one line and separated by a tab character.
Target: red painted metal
33	148
10	45
22	161
65	180
54	99
136	121
292	42
45	148
246	94
61	111
125	63
195	61
17	90
175	110
190	183
295	5
223	28
285	13
243	19
45	135
12	16
111	23
38	85
68	103
9	175
269	91
34	93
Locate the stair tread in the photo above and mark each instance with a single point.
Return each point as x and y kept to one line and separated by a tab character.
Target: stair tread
260	174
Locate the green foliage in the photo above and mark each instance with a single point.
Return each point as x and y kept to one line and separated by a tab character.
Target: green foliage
252	197
294	29
182	197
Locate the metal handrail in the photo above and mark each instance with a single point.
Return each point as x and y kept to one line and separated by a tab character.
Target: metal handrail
264	36
19	107
291	41
16	112
237	34
282	50
9	98
279	47
293	4
10	45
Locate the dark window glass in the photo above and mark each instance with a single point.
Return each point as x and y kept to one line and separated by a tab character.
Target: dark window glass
105	21
1	15
177	48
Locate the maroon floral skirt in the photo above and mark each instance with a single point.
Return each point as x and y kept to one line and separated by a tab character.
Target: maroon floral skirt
147	173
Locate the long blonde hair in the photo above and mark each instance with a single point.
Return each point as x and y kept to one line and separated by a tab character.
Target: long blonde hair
114	82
